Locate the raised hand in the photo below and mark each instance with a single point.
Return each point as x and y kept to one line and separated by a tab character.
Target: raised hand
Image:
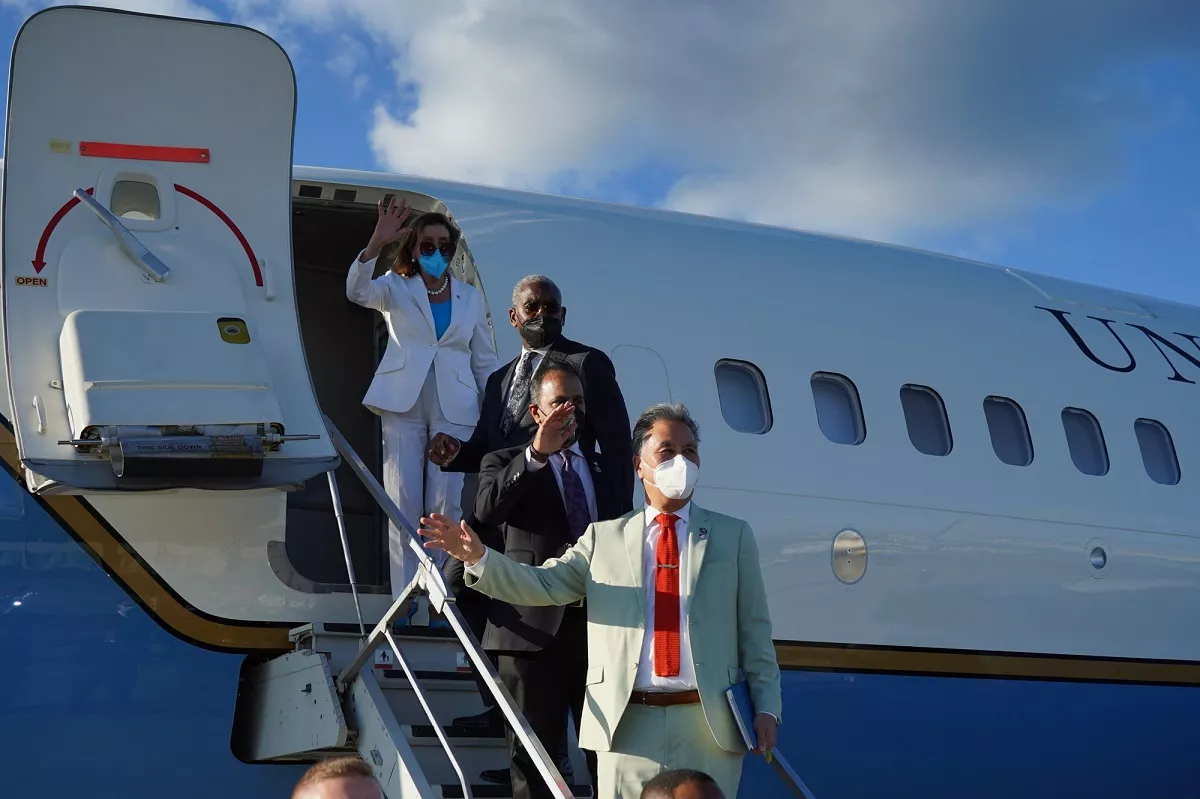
555	430
458	541
443	448
389	226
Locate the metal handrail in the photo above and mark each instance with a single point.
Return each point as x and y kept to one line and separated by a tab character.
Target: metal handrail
429	577
437	728
336	498
351	672
789	776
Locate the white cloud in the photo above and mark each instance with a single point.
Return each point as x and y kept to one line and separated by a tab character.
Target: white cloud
870	118
881	118
347	63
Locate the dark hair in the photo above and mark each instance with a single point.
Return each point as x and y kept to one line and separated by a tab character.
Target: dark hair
550	364
400	253
662	412
332	769
663	786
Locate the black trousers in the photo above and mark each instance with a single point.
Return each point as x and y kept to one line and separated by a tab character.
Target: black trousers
546	685
473	606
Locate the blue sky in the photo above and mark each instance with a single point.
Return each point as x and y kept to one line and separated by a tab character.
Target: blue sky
1058	138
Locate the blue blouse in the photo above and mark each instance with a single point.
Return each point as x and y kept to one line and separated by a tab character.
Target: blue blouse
441	317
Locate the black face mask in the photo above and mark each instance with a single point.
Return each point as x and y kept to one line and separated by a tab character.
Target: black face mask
540	331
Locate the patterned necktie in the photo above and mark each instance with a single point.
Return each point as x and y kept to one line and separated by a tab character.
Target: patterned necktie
578	514
518	397
666	599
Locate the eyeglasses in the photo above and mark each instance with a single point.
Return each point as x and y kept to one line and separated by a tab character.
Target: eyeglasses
429	248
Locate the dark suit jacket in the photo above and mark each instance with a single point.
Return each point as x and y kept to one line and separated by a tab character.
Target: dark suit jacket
528	509
607	417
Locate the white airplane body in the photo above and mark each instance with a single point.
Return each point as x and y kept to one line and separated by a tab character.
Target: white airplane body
972	487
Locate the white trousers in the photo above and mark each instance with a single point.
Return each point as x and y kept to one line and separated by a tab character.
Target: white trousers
417	486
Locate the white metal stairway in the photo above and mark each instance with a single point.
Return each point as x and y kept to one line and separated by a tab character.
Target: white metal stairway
330	697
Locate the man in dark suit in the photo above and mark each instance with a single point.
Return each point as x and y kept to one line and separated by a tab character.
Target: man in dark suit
505	421
542	497
538	315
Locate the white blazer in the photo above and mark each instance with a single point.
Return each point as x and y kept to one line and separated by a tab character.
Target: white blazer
462	359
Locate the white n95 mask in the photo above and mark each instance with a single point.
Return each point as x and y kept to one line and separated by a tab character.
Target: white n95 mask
674	478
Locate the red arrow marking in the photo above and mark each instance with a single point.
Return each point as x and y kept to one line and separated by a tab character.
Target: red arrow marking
207	203
39	260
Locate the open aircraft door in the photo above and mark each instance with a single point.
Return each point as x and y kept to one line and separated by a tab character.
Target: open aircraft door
150	328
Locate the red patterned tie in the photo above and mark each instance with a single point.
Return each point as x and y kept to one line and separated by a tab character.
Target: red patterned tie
666	599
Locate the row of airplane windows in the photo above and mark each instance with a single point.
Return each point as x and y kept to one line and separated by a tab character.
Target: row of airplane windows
746	407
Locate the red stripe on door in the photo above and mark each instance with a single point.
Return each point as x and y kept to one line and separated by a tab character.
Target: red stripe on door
144	152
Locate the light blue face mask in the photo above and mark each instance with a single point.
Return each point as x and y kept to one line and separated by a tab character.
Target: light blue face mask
434	265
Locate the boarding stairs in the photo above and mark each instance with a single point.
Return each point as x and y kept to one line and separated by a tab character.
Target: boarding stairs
389	694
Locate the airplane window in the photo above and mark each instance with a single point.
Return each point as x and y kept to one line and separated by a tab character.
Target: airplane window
134	199
1009	430
1158	451
839	413
742	390
1085	441
925	414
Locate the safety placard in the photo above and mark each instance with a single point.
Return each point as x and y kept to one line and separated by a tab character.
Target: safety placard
384	659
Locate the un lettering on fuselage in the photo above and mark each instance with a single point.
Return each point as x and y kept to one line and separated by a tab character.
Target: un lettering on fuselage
1158	340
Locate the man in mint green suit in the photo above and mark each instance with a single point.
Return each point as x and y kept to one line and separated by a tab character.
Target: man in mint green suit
676	614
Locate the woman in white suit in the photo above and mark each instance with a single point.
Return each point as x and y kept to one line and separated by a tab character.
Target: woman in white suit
438	358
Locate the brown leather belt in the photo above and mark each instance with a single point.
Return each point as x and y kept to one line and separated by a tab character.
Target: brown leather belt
664	698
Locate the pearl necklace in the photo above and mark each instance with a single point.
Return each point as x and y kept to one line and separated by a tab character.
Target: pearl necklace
441	288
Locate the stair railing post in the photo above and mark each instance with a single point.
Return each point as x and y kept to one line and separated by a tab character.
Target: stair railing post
341	523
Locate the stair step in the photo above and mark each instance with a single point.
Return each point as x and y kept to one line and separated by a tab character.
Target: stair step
488	790
450	694
426	650
459	678
419	631
476	750
452	732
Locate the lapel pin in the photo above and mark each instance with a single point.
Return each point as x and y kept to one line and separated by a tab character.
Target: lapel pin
703	533
596	468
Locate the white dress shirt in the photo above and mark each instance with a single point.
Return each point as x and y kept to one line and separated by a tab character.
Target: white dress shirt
578	463
646	680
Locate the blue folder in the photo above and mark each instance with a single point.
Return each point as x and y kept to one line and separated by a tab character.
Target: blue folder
743	712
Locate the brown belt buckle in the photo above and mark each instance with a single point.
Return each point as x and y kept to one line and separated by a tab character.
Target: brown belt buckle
647	696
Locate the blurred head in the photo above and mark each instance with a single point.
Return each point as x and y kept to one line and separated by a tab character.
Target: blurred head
338	778
682	784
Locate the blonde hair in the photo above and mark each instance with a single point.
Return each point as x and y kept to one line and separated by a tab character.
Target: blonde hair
333	769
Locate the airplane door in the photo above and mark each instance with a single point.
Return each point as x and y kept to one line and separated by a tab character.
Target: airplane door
150	330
